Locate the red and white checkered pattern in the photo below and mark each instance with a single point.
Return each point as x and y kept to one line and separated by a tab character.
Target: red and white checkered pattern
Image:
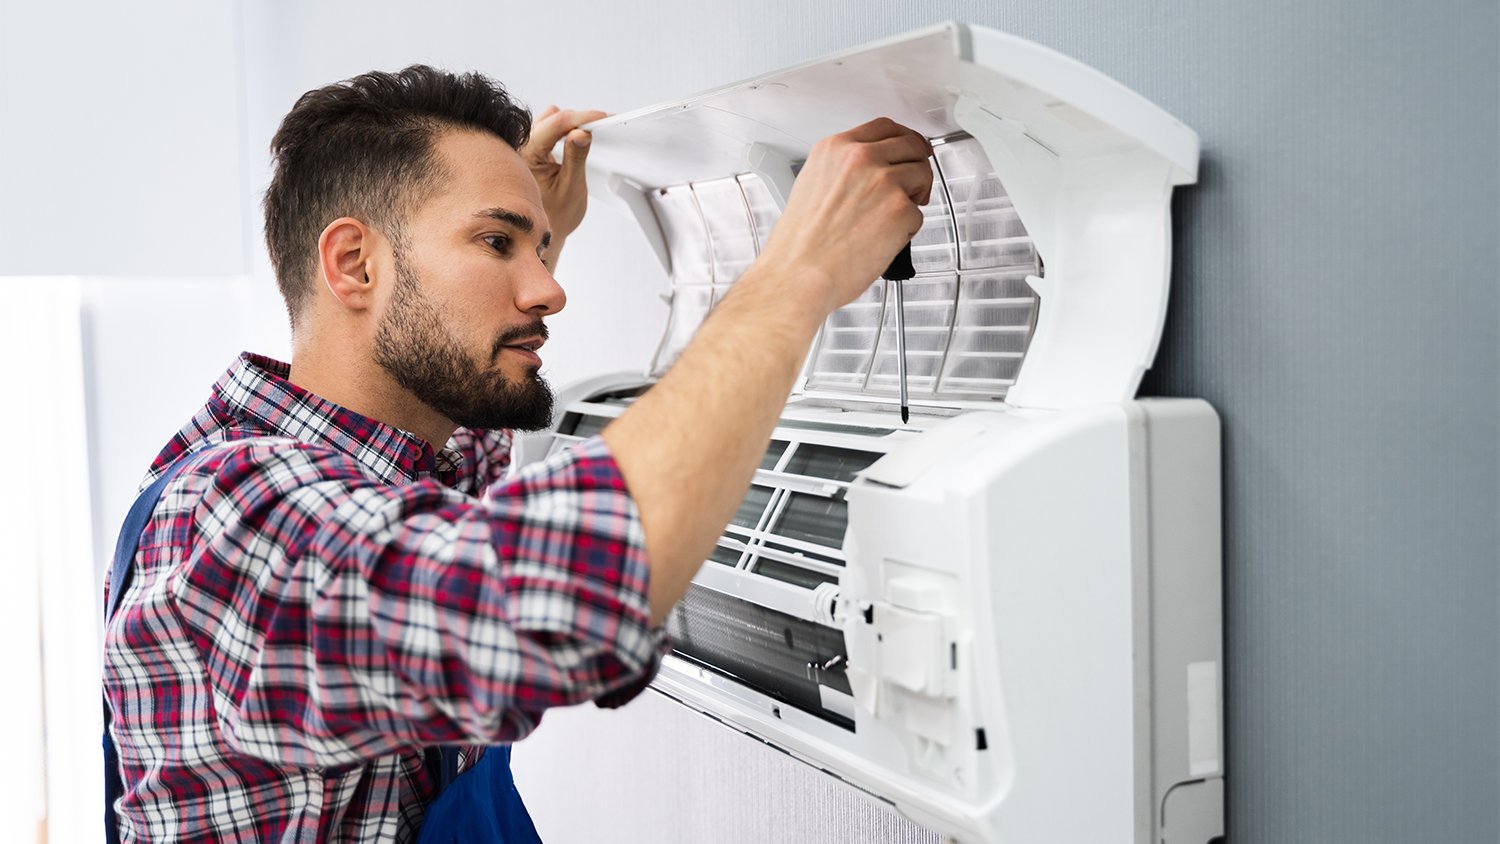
321	595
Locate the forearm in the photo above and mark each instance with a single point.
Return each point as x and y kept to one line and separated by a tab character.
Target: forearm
689	447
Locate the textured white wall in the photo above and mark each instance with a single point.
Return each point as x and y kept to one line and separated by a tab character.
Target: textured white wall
120	139
152	348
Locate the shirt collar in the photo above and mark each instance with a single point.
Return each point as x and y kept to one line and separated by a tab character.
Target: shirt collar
256	390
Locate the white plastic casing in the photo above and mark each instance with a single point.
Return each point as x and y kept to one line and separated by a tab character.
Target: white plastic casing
1031	610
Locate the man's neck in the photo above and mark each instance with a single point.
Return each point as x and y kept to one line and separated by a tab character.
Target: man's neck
368	391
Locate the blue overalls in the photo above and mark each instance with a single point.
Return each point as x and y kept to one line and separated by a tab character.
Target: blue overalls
479	805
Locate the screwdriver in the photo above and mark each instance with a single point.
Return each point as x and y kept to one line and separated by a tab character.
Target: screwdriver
899	271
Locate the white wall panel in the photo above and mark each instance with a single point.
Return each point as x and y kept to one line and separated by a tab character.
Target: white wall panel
152	349
120	139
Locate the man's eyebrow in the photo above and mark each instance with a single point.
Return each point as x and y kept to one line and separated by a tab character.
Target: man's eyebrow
522	222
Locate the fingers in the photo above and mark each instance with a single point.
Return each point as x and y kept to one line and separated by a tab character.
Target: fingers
855	204
883	129
902	148
915	178
563	184
554	123
575	152
885	142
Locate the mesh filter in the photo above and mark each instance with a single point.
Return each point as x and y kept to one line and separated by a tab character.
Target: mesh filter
714	231
988	227
929	320
769	651
686	233
995	314
969	311
725	555
932	248
847	345
966	331
731	236
763	209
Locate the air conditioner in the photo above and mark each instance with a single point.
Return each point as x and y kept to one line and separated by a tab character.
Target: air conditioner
1003	617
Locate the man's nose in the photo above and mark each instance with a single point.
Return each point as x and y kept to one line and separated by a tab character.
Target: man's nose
539	292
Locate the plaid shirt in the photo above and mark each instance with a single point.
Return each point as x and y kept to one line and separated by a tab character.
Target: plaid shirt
318	596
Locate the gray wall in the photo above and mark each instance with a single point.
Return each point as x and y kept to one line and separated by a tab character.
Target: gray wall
1335	297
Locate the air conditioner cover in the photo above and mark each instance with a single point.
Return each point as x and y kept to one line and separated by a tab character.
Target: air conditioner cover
1003	617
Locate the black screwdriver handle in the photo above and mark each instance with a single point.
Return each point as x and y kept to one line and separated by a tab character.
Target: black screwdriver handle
900	268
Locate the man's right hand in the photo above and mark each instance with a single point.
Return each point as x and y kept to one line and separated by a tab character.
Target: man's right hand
852	208
689	447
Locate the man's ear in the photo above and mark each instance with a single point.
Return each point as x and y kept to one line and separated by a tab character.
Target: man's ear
346	252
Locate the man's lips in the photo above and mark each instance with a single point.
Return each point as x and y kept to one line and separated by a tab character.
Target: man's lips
524	342
529	345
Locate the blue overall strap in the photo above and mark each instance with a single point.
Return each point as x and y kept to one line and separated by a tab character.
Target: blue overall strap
444	760
448	769
481	804
119	578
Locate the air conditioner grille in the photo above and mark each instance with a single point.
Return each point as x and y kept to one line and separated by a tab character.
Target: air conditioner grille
762	648
808	518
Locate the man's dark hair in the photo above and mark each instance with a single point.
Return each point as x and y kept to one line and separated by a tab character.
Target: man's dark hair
364	148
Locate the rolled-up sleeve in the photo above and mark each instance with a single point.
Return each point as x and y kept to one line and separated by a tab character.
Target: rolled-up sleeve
340	618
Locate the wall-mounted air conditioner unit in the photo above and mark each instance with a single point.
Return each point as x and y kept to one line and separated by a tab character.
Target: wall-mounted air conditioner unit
1002	618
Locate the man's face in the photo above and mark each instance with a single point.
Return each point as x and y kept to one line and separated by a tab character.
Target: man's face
463	320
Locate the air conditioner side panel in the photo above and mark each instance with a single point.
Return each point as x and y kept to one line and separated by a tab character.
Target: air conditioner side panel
1186	618
1035	530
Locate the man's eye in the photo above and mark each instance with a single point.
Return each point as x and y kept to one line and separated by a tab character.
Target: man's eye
498	242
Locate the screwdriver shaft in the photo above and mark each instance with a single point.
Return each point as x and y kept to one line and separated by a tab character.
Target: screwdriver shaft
901	346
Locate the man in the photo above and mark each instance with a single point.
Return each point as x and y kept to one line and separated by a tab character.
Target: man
338	577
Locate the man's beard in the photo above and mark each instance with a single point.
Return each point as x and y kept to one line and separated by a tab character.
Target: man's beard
415	347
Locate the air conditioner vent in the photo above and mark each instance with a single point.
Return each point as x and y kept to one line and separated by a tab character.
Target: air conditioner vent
777	565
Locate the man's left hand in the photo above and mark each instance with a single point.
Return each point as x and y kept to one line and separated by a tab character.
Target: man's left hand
564	192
